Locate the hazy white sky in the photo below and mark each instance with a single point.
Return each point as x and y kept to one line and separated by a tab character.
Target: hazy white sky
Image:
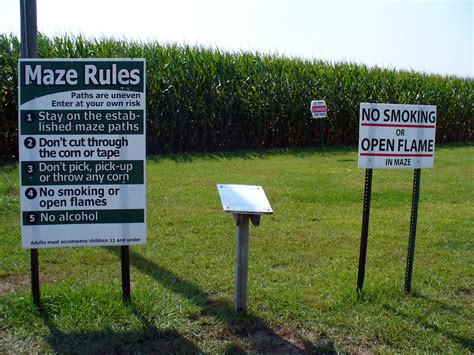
434	37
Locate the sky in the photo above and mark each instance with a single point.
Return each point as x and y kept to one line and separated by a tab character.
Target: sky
434	37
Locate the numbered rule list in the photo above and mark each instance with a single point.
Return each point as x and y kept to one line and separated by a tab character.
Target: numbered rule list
82	152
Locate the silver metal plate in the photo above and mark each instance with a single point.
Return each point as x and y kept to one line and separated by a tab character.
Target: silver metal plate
244	199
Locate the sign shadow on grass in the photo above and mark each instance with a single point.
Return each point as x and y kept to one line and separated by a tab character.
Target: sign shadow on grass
442	305
466	342
150	339
248	328
244	154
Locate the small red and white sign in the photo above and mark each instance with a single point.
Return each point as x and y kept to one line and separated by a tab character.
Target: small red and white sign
319	109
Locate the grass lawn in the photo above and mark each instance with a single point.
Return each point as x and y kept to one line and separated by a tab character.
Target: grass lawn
302	263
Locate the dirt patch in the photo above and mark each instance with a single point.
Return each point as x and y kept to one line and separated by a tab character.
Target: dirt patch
16	283
284	341
13	283
9	344
361	350
259	338
467	294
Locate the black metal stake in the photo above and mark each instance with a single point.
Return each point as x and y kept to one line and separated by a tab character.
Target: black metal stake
29	49
29	33
365	229
321	135
35	285
125	262
413	222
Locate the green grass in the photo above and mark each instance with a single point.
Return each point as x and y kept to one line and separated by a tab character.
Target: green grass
302	263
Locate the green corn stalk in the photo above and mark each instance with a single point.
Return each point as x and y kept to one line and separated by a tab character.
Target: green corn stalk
204	99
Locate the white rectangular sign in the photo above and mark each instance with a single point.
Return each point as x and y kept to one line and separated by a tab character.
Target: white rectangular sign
82	152
244	199
396	136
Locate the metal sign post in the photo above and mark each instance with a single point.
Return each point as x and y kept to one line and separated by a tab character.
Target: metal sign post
246	203
365	229
413	222
29	49
125	267
319	111
321	134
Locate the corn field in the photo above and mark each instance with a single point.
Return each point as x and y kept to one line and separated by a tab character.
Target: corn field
201	99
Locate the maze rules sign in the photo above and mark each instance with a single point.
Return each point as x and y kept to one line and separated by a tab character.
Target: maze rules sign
82	152
396	136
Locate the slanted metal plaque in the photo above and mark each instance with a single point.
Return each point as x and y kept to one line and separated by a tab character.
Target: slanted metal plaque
244	199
